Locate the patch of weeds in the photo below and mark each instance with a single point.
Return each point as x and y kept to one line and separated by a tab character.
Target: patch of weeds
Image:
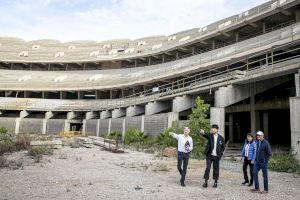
161	168
37	153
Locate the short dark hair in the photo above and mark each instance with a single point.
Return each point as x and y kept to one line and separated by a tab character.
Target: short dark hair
215	126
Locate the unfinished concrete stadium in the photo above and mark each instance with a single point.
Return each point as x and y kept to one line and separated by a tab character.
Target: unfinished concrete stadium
246	66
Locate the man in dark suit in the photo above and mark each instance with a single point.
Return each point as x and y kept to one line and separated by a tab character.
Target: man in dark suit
214	151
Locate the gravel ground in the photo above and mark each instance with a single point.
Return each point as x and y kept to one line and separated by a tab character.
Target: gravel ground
95	174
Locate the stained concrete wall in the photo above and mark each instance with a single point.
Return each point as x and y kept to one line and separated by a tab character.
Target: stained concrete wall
91	127
9	123
103	128
133	122
295	125
156	124
31	126
55	126
117	125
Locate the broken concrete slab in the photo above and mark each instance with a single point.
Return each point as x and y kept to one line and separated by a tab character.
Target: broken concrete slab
53	144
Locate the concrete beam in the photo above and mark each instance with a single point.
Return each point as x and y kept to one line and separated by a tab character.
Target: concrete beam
182	103
156	107
105	114
117	113
217	116
226	96
295	125
135	110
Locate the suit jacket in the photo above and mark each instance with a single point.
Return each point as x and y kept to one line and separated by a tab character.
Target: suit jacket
210	145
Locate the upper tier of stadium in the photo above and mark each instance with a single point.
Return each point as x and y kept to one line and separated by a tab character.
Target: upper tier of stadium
219	33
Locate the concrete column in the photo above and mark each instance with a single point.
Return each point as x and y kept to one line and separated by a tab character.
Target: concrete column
295	125
172	116
17	127
72	115
67	125
266	124
24	113
98	127
230	128
105	114
135	110
183	103
213	46
217	116
90	115
237	37
143	123
297	84
264	27
109	126
254	116
44	128
117	113
156	107
84	126
123	128
49	115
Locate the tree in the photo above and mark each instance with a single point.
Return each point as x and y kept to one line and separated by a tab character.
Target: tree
199	120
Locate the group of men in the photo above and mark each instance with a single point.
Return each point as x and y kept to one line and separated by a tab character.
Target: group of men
214	151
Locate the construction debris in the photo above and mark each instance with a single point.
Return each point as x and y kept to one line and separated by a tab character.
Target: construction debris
53	144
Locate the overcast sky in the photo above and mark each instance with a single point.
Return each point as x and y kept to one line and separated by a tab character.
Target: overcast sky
68	20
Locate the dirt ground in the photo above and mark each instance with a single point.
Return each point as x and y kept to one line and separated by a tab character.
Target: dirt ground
82	173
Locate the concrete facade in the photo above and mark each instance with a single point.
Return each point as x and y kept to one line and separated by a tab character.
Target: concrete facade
182	103
135	110
156	107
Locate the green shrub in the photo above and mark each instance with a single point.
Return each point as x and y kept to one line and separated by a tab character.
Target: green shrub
165	140
135	136
284	162
114	135
3	130
199	120
7	143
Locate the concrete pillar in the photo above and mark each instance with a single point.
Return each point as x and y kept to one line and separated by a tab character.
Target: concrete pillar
172	117
117	113
213	46
182	103
90	115
84	126
143	123
24	113
44	128
123	128
17	127
72	115
255	121
237	37
297	84
105	114
266	124
156	107
49	115
135	110
230	128
217	116
98	127
295	125
109	126
67	125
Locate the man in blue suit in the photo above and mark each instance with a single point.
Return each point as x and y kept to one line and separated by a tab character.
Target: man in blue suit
263	154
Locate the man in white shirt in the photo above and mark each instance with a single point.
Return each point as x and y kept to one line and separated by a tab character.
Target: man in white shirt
185	146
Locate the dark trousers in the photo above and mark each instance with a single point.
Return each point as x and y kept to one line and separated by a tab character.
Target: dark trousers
215	160
245	165
182	163
261	165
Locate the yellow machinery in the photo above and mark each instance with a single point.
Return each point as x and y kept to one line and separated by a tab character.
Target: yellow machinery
70	134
